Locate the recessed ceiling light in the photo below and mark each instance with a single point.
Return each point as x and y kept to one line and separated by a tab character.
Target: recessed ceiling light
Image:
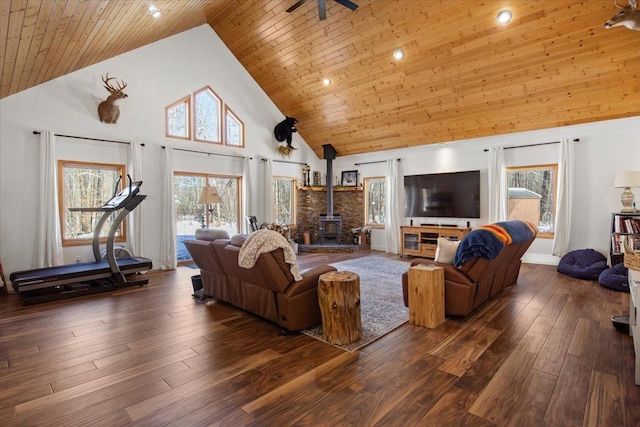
326	81
504	16
398	54
154	11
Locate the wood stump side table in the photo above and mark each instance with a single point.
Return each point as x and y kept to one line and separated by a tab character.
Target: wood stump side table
339	300
426	295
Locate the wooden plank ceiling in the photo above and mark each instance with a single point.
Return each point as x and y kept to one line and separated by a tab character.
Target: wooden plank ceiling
463	76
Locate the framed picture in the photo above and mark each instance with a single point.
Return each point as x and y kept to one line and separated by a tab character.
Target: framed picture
350	178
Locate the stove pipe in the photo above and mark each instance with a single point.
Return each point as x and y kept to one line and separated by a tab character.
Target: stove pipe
329	155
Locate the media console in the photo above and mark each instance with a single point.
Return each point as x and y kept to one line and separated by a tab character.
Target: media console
422	241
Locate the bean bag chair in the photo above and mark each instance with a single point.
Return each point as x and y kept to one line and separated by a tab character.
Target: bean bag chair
615	278
586	264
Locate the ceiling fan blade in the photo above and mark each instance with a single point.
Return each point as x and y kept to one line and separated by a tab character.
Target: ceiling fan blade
322	9
297	5
347	3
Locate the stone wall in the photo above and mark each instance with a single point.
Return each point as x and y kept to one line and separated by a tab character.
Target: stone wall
312	203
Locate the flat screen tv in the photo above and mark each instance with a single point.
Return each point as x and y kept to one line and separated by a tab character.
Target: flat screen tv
443	195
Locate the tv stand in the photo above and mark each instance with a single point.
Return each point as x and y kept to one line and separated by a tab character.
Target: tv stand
422	241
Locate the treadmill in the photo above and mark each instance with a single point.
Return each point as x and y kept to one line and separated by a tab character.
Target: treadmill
84	278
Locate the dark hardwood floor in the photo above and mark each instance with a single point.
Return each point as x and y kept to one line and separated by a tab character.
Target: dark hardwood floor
544	353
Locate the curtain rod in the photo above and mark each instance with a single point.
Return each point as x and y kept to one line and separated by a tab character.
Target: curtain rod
208	154
370	163
286	161
534	145
37	132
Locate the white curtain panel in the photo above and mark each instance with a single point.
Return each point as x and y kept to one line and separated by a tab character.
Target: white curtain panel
134	229
267	191
497	185
168	255
48	234
564	207
393	204
247	207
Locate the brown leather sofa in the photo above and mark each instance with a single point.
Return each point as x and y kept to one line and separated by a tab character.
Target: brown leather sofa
477	279
268	289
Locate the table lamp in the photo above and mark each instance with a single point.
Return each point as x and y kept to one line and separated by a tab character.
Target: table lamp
208	197
627	180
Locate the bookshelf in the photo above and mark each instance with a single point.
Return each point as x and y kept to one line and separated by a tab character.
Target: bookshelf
624	227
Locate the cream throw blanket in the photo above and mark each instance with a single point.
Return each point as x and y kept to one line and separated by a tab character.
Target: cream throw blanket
263	241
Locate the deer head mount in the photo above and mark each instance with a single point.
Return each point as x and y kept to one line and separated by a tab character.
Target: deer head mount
628	16
108	109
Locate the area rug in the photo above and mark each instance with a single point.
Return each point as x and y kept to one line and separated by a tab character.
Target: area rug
381	305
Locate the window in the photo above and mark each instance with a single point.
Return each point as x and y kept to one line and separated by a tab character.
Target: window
532	196
83	185
208	116
178	119
191	215
234	134
284	196
374	201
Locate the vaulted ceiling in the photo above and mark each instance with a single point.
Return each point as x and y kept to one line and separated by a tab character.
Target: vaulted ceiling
464	75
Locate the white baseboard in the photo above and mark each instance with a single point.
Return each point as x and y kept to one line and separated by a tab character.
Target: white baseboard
540	259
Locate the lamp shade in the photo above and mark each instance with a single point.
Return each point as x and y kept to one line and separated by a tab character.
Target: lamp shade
627	179
209	195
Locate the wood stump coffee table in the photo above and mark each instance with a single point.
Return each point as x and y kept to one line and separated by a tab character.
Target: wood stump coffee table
426	295
339	300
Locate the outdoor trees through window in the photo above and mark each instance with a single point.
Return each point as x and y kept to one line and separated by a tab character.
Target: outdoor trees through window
374	201
532	196
284	196
86	185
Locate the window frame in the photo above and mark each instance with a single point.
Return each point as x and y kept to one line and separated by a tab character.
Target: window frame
121	236
365	188
219	118
186	100
229	112
294	197
528	168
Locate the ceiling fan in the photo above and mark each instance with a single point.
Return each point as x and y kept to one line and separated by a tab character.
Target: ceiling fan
322	7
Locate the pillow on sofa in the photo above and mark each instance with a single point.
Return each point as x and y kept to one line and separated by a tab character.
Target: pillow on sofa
446	250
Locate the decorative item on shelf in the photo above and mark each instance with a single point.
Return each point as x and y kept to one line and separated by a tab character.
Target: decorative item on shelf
627	180
317	179
208	197
108	110
306	171
350	178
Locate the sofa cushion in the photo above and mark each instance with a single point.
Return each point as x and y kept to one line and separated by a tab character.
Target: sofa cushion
211	234
586	264
238	240
446	250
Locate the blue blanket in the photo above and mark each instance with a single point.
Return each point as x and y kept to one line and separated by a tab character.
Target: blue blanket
488	240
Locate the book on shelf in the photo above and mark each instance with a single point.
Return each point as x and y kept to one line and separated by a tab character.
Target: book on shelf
618	242
624	224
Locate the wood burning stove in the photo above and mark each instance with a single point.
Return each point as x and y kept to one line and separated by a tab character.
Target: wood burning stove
330	227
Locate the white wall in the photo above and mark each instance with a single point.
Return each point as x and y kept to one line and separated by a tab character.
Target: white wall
161	73
157	75
604	148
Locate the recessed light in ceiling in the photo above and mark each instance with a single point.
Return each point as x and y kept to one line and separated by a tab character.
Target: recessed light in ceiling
504	16
398	54
326	81
154	11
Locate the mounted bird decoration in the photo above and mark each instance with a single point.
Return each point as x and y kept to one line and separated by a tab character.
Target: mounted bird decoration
284	132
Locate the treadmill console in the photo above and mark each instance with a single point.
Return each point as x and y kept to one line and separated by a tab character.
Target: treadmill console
123	195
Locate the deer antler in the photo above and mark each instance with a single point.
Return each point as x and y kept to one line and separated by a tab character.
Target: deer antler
110	88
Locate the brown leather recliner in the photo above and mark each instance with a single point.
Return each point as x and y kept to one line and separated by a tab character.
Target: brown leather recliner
268	289
477	279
